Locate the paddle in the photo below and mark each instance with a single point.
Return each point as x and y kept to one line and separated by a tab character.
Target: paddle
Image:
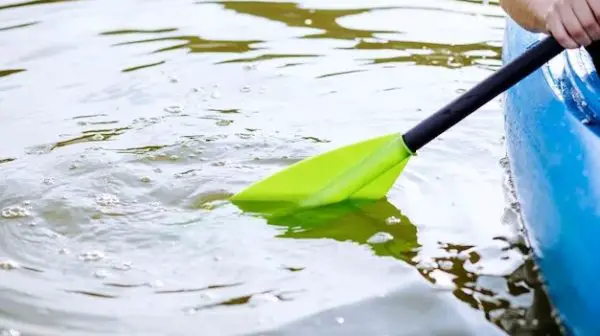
367	170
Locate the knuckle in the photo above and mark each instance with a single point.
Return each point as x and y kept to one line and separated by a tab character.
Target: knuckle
565	41
590	25
578	34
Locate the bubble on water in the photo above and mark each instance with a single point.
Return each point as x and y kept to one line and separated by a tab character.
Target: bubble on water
8	265
174	109
48	180
107	199
308	22
15	212
145	179
443	280
94	255
98	137
122	266
64	250
339	320
250	67
393	220
101	274
462	256
207	296
380	238
26	202
156	284
245	89
426	263
191	156
262	298
174	157
10	332
446	265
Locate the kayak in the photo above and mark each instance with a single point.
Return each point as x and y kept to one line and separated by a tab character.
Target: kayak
553	149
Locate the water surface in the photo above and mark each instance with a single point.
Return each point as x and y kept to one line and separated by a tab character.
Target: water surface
127	125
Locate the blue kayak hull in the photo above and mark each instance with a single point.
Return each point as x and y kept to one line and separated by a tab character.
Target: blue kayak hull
553	148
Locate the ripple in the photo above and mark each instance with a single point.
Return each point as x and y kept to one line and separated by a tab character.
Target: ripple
447	55
143	66
195	44
293	15
7	160
22	25
265	57
33	3
4	73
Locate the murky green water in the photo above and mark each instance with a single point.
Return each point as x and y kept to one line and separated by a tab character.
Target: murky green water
125	126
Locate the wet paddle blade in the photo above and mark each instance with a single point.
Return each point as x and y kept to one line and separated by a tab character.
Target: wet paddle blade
360	171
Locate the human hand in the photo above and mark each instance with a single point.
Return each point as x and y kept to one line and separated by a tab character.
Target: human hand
574	23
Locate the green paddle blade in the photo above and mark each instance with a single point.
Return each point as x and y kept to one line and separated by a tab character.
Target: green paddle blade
360	171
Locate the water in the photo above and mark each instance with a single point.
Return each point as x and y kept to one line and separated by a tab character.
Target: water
126	125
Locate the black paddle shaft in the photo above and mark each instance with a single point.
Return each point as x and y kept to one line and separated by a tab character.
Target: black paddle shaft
468	102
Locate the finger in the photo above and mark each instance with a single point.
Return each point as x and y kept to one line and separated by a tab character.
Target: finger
573	26
587	19
595	7
558	31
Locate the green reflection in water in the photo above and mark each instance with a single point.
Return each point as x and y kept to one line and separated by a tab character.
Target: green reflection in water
358	222
4	73
266	57
292	15
197	44
6	160
439	54
420	53
139	31
144	66
23	25
91	136
33	3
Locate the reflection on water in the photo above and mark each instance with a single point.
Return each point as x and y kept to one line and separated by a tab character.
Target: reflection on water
125	128
10	72
32	3
423	53
196	44
293	16
389	233
23	25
